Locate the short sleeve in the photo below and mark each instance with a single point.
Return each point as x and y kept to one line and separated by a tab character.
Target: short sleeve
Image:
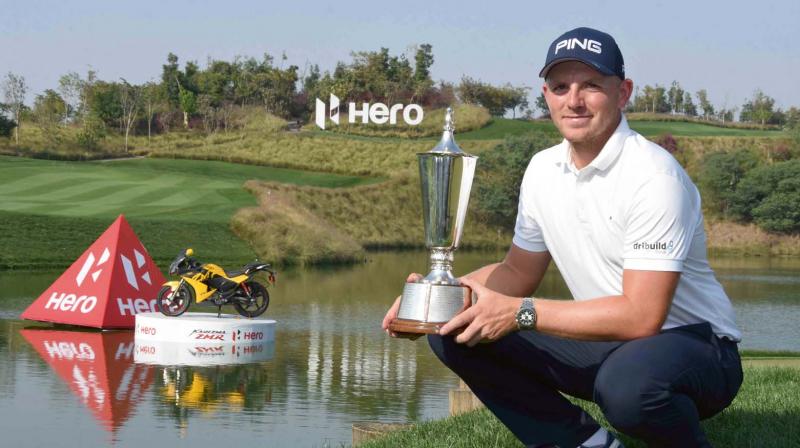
660	224
527	233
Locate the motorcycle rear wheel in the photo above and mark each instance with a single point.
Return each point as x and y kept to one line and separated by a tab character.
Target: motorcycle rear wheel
174	304
258	302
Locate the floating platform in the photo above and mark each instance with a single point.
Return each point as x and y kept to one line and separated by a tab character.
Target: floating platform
196	328
202	339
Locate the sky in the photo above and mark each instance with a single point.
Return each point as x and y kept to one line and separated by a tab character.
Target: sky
728	48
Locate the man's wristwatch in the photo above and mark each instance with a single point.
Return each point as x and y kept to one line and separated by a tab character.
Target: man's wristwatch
526	316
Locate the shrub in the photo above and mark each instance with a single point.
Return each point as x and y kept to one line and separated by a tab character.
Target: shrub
668	142
720	174
500	172
6	126
770	195
92	133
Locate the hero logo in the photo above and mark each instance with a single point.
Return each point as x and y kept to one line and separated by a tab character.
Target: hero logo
71	302
252	349
208	335
585	44
377	113
253	335
130	274
135	306
87	266
68	350
151	331
146	349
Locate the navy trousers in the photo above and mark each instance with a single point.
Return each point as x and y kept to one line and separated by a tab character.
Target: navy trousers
656	389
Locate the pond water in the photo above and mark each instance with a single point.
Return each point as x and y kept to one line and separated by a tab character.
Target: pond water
330	364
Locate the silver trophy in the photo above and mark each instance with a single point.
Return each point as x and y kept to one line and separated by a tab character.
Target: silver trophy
446	174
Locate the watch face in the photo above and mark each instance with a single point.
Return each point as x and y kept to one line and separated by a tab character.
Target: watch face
525	318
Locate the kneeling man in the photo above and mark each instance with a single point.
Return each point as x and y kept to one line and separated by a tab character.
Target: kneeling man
651	335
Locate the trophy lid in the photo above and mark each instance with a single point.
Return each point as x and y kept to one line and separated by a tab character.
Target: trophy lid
448	145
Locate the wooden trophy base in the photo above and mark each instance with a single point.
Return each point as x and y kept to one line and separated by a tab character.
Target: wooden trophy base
406	328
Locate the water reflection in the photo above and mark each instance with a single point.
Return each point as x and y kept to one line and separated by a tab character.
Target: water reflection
208	392
193	354
97	367
330	364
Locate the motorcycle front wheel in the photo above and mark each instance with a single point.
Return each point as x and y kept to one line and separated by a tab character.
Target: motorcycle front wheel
174	304
256	304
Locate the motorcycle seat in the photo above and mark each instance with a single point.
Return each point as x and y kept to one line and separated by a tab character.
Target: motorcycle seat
247	267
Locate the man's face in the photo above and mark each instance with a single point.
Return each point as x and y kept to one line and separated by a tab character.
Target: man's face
584	103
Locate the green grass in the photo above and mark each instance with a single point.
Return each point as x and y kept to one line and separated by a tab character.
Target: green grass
499	128
41	242
764	414
152	188
685	129
51	211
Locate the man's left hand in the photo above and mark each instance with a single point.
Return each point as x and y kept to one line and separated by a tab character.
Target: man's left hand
489	319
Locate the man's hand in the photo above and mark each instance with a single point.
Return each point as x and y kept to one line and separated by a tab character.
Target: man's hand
489	319
392	313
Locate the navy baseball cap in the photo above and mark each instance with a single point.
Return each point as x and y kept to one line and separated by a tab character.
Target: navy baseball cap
587	45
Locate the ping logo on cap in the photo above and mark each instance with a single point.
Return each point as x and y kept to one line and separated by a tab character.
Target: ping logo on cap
585	44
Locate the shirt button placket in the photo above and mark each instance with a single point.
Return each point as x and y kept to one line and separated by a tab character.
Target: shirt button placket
580	195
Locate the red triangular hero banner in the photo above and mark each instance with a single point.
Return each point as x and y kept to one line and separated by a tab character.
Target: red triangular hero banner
98	368
106	286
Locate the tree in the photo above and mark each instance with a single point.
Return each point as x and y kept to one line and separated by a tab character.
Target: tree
688	106
130	101
500	173
770	195
70	86
48	112
758	109
720	174
541	104
188	105
104	103
15	88
652	99
150	96
170	81
496	99
675	97
423	60
793	117
515	97
705	105
48	108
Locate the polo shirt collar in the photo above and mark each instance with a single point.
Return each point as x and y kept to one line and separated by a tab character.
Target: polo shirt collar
607	155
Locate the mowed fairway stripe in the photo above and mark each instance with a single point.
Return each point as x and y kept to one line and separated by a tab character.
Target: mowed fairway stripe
32	185
77	188
194	191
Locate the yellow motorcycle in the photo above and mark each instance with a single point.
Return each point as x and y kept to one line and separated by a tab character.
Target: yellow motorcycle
210	284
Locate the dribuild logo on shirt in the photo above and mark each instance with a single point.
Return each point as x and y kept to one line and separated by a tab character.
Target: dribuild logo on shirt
658	246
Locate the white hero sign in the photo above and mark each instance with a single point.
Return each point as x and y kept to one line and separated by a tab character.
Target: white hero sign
377	113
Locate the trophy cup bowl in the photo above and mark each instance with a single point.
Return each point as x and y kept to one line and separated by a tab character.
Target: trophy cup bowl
446	175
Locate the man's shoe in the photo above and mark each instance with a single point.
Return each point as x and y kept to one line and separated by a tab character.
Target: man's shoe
611	442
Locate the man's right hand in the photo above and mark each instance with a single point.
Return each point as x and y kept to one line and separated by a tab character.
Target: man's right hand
392	313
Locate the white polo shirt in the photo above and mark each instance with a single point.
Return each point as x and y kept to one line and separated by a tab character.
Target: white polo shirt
632	207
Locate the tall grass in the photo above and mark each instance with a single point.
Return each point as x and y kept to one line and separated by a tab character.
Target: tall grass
284	232
318	224
309	151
